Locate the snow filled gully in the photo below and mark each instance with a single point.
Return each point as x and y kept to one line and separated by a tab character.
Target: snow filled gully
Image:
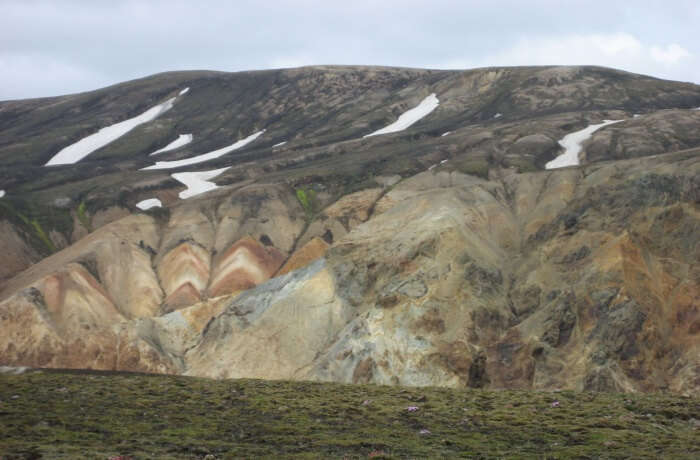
572	144
182	140
205	156
197	182
85	146
409	117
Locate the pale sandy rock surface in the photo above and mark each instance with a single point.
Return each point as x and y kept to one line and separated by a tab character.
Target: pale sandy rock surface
314	249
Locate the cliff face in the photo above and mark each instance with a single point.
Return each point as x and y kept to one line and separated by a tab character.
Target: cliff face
525	282
415	258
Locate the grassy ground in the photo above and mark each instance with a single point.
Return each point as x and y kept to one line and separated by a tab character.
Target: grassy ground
91	415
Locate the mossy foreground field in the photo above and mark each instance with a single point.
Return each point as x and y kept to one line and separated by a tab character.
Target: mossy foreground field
98	415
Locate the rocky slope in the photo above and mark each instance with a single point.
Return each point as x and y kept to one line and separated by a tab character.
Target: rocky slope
440	255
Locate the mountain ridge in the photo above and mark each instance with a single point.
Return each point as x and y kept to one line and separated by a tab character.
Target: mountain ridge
443	254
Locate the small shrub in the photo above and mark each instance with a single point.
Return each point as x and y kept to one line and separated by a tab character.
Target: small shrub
307	199
83	217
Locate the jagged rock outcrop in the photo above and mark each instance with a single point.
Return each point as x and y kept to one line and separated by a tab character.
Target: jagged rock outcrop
441	301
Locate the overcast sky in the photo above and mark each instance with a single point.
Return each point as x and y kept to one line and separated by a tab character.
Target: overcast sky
64	46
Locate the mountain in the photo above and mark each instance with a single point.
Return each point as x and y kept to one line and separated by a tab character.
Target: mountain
359	224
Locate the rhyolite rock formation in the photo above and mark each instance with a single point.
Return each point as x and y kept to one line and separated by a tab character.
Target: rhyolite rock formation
414	258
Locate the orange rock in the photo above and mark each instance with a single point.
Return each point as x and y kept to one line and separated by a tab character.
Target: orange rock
183	273
244	265
183	296
314	249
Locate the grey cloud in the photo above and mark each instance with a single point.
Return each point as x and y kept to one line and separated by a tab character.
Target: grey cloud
49	48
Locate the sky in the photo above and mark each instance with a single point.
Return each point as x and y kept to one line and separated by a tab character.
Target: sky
49	48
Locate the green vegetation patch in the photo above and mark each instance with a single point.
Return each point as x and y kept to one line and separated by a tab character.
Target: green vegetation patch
83	217
307	199
41	234
37	221
98	415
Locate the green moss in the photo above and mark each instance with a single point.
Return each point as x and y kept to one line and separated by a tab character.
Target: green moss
83	217
37	220
307	199
91	415
39	231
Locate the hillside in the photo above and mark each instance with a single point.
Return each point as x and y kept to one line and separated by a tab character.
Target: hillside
359	224
142	416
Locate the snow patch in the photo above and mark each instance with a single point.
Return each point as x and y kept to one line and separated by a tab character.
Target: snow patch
182	139
85	146
409	117
148	204
280	144
205	156
572	144
445	134
197	182
436	165
2	193
184	91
